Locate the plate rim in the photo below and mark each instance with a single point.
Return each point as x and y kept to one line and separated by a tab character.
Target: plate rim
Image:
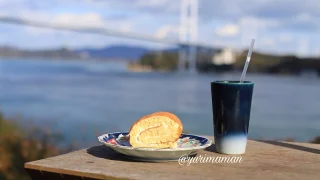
207	144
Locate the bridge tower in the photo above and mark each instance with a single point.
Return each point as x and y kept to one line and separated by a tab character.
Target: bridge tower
188	33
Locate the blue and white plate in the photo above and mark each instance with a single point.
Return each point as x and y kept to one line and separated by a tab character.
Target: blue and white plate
186	145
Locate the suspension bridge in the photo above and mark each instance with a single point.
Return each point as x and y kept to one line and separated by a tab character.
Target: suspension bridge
187	40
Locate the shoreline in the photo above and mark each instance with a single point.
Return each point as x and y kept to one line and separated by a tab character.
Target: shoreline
136	67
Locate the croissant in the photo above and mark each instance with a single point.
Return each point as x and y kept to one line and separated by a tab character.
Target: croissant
156	130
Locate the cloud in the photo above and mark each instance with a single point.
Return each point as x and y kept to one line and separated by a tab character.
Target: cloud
289	14
88	20
250	22
304	21
158	8
166	30
72	20
126	26
143	6
286	12
41	16
270	15
285	38
35	31
267	42
252	17
234	9
152	3
228	30
235	21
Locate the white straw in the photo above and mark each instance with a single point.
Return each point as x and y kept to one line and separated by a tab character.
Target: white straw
243	75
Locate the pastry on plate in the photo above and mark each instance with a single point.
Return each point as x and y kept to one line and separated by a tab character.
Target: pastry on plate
156	130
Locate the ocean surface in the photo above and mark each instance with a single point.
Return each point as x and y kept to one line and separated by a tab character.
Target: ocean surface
84	99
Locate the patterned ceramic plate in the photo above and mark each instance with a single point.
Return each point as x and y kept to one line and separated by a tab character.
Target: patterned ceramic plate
186	145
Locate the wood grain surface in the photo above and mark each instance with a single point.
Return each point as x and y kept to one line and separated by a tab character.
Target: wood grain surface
262	160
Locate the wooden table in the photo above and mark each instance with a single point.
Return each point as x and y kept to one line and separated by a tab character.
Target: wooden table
263	160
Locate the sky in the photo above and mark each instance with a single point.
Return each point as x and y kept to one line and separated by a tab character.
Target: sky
279	26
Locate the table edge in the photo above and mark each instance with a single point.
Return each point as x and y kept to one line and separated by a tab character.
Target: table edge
71	172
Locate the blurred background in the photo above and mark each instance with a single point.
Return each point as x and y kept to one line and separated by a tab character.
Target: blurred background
71	70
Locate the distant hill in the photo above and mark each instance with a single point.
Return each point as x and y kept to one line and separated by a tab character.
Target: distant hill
278	64
61	53
113	52
120	52
130	53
